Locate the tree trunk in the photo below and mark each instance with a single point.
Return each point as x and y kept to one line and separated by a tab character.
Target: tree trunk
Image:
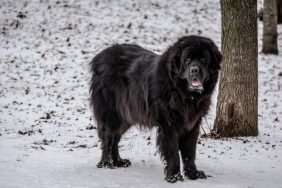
237	104
270	27
279	11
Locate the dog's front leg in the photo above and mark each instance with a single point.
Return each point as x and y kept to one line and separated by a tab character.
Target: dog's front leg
168	146
187	146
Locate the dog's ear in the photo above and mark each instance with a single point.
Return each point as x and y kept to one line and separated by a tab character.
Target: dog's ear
216	58
174	59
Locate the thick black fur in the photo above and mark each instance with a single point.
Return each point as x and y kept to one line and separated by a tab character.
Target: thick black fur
131	85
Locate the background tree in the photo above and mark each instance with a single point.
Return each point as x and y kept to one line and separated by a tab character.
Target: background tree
270	27
237	104
279	11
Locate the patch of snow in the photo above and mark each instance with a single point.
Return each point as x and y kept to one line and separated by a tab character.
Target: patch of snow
47	135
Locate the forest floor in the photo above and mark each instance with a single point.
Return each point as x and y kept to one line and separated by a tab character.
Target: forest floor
47	135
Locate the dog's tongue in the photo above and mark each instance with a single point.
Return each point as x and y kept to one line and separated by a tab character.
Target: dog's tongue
196	83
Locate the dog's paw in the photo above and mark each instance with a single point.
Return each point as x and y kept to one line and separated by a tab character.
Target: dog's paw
195	174
122	163
106	164
174	178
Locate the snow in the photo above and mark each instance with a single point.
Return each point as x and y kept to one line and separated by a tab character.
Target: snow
47	134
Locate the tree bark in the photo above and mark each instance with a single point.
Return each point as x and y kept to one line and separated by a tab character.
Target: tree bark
279	11
270	27
237	104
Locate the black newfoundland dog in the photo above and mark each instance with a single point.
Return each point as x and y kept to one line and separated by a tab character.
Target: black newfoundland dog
131	85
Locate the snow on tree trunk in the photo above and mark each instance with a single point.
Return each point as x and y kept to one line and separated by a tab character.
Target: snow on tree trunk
237	106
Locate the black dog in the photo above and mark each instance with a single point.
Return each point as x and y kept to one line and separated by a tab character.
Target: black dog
131	85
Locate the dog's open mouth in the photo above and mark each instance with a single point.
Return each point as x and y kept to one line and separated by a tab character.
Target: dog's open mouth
196	85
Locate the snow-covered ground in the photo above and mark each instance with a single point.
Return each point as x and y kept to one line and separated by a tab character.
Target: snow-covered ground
47	134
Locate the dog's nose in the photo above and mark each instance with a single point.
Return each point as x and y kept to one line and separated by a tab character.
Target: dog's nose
194	70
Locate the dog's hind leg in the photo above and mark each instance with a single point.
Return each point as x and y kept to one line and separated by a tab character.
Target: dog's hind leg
108	123
107	131
118	161
107	142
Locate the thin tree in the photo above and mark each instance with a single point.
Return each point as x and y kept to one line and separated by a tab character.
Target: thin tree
270	27
279	11
237	104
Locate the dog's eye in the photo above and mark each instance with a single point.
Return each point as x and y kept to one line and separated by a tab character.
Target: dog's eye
188	60
203	60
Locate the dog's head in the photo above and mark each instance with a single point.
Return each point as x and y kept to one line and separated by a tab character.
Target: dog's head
193	60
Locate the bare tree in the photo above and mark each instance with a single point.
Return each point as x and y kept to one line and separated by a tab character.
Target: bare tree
270	27
279	11
237	104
